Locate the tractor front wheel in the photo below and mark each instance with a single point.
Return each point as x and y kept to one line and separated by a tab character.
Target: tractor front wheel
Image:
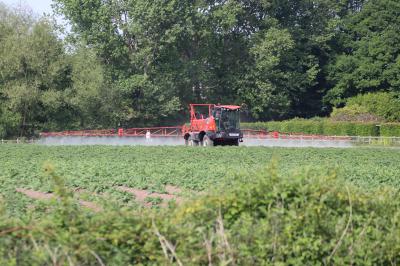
207	141
192	142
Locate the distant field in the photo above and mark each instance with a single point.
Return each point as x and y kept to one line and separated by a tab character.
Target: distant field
104	174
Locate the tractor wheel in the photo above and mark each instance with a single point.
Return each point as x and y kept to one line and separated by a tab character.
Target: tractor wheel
207	141
193	143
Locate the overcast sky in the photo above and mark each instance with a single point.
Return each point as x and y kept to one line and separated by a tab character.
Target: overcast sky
38	6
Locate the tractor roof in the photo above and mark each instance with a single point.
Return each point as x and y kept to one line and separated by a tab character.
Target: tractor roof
230	107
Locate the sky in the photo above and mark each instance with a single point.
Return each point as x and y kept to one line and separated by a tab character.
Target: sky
38	6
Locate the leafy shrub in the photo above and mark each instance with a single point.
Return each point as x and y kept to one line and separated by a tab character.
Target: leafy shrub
311	218
359	117
303	125
390	130
9	122
318	127
2	132
297	125
381	104
366	129
350	129
354	113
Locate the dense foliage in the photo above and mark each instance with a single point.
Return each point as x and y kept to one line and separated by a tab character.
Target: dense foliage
322	126
260	216
371	57
139	62
381	106
41	85
100	169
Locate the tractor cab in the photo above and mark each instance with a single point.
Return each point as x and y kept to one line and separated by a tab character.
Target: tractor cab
227	118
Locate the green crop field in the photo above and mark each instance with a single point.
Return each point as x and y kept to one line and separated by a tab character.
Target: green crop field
100	169
233	206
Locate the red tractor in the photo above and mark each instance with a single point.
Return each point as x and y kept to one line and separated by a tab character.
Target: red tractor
212	125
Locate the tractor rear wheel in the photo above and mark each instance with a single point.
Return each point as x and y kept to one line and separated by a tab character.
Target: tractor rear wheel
207	141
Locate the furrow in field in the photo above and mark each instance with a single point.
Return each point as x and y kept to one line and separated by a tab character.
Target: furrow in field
143	195
37	195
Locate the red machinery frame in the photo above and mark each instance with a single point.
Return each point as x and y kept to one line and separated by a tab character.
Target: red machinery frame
196	124
202	122
130	132
179	131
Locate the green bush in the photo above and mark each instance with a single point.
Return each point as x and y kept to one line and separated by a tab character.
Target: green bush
390	130
317	127
354	113
2	132
303	125
359	117
272	126
311	218
367	129
381	104
350	129
9	123
336	128
312	126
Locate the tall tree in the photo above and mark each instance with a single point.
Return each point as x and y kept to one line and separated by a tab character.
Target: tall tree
140	62
32	63
136	42
41	86
370	60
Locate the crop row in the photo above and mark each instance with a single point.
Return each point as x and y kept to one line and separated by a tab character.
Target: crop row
99	170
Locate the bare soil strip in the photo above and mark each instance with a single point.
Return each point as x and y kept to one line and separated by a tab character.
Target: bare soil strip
91	205
35	194
173	189
177	190
47	196
163	196
141	195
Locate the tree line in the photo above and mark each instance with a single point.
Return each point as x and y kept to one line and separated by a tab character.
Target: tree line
139	62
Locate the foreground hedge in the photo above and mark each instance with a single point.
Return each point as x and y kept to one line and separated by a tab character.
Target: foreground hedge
306	219
327	127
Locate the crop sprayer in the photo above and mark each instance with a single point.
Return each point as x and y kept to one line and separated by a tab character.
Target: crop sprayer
210	125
